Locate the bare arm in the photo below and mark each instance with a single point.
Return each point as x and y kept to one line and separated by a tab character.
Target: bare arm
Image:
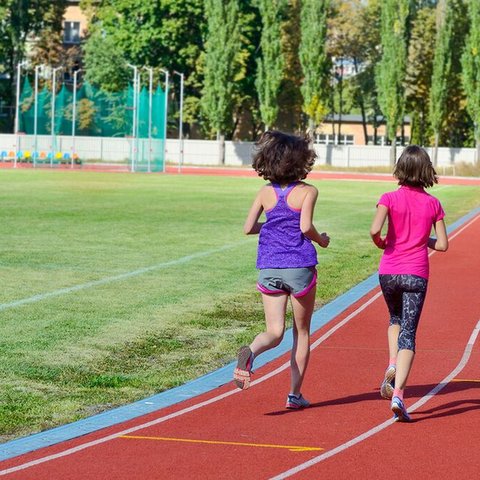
377	225
306	219
441	242
252	225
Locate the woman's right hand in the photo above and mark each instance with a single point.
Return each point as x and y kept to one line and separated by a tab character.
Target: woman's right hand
324	240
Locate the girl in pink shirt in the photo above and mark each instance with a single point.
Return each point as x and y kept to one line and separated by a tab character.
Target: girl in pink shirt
404	267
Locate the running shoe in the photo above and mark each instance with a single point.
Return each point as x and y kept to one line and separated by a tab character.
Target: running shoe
399	411
294	402
243	373
386	389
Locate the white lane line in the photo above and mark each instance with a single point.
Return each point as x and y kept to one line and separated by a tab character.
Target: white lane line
198	405
382	426
116	278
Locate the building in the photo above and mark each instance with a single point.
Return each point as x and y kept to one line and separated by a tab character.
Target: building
74	23
352	131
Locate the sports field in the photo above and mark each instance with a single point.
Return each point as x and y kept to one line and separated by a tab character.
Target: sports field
118	286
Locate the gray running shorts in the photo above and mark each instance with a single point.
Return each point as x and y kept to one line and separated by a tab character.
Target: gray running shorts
291	281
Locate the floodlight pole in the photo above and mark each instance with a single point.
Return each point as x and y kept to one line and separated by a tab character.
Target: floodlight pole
165	118
180	126
74	113
52	129
134	126
150	97
35	122
17	111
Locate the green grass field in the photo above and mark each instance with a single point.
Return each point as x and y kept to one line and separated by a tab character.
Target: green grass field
138	283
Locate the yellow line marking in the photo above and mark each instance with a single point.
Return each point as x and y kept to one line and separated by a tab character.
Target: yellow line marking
465	380
214	442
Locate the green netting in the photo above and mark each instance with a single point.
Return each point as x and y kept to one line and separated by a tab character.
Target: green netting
151	148
100	114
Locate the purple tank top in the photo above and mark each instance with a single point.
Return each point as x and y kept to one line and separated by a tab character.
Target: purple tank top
281	243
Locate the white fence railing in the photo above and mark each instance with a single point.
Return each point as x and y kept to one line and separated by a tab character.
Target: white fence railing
206	152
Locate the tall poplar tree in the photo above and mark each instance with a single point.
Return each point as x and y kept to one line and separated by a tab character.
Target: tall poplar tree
419	74
271	62
221	46
390	75
442	69
471	70
447	98
314	59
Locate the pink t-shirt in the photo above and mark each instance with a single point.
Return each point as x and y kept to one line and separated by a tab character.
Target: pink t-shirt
411	214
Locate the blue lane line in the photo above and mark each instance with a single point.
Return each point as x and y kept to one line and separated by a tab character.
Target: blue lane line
195	387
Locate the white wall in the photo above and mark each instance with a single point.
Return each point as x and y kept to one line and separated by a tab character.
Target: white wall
206	152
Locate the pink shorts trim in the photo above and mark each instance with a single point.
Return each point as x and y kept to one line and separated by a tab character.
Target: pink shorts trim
312	284
262	289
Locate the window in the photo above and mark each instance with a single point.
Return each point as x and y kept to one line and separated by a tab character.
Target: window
71	32
345	140
335	139
381	140
323	139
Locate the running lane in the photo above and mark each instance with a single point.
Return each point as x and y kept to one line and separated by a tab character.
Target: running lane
230	434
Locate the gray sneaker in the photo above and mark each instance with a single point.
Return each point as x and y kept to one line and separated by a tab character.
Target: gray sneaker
400	413
294	402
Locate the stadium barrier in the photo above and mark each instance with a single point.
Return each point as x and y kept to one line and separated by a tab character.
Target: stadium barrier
206	152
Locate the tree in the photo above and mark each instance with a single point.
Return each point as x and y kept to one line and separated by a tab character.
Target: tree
221	47
446	95
18	21
314	59
166	34
390	75
353	37
471	71
246	113
105	62
271	62
290	96
419	74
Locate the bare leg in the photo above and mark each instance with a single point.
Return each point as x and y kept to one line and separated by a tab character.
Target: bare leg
302	313
275	307
404	364
393	331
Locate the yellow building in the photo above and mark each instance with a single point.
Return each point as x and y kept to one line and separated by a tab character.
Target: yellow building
74	23
352	131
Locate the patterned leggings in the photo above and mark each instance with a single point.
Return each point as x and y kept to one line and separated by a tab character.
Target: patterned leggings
404	296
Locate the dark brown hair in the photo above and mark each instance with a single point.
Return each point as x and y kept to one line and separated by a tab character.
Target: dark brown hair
283	158
414	168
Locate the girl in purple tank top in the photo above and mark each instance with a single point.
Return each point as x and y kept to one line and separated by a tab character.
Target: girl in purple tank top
286	255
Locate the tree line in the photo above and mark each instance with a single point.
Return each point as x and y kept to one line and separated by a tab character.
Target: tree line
256	64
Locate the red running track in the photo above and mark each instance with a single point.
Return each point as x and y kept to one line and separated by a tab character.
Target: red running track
347	433
240	172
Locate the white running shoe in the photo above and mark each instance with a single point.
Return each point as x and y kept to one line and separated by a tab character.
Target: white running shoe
386	388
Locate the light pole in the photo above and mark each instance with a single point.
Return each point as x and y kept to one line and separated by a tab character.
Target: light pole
134	120
150	96
35	110
165	117
17	111
180	123
74	113
52	129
